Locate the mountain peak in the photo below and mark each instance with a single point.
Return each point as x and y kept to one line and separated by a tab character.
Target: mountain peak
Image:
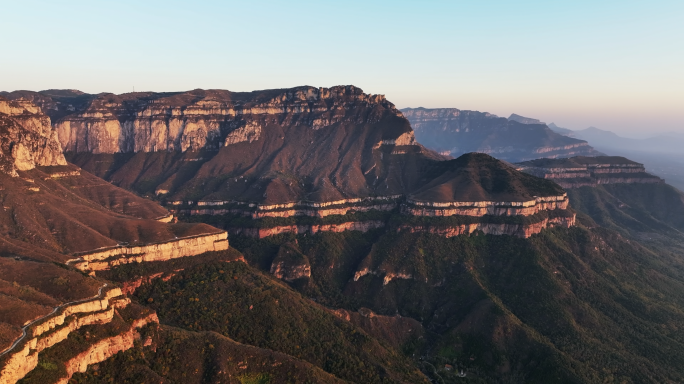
524	120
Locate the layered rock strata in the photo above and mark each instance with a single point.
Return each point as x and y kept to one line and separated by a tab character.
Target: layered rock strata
199	120
589	171
482	208
267	147
519	230
260	233
106	348
27	139
190	246
56	327
310	209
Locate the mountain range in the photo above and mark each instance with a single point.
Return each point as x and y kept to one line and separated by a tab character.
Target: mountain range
455	132
306	235
662	153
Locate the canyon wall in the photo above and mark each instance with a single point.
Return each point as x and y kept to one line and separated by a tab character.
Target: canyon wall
260	233
106	348
518	230
189	246
200	120
56	327
27	139
482	208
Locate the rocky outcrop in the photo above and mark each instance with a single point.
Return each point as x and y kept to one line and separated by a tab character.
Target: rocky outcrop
579	172
189	246
260	233
396	330
249	133
515	139
310	209
482	208
27	139
387	276
106	348
56	327
512	229
290	264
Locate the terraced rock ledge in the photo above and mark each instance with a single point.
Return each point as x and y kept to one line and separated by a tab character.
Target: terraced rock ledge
50	330
583	171
188	246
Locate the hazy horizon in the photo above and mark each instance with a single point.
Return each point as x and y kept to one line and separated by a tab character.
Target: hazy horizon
614	65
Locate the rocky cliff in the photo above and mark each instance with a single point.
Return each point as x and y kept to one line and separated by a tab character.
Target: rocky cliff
27	139
54	328
589	171
454	132
269	147
103	259
53	209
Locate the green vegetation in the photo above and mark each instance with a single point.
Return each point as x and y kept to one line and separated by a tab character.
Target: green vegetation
260	378
247	306
567	305
180	356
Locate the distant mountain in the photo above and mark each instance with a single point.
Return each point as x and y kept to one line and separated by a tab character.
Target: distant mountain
55	103
524	120
561	130
454	132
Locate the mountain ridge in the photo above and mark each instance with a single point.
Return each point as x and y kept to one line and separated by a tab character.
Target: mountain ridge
453	131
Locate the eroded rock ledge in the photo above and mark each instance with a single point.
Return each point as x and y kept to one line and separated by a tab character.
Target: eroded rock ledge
56	327
409	206
188	246
580	171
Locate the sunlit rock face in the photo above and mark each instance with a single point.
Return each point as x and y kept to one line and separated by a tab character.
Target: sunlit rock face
27	139
454	132
271	146
195	120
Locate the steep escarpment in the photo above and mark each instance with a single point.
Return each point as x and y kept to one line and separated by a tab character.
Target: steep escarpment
474	192
454	132
589	171
267	147
27	139
46	305
53	209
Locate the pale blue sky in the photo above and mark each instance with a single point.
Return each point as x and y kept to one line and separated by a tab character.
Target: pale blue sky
618	65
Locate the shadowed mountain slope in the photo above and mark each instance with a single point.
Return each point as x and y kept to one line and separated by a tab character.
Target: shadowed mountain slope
480	177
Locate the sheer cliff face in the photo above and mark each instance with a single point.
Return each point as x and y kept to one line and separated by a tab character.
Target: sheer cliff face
52	208
452	131
196	120
271	146
27	139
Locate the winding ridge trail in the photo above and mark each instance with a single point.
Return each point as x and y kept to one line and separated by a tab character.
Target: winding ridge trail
25	327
